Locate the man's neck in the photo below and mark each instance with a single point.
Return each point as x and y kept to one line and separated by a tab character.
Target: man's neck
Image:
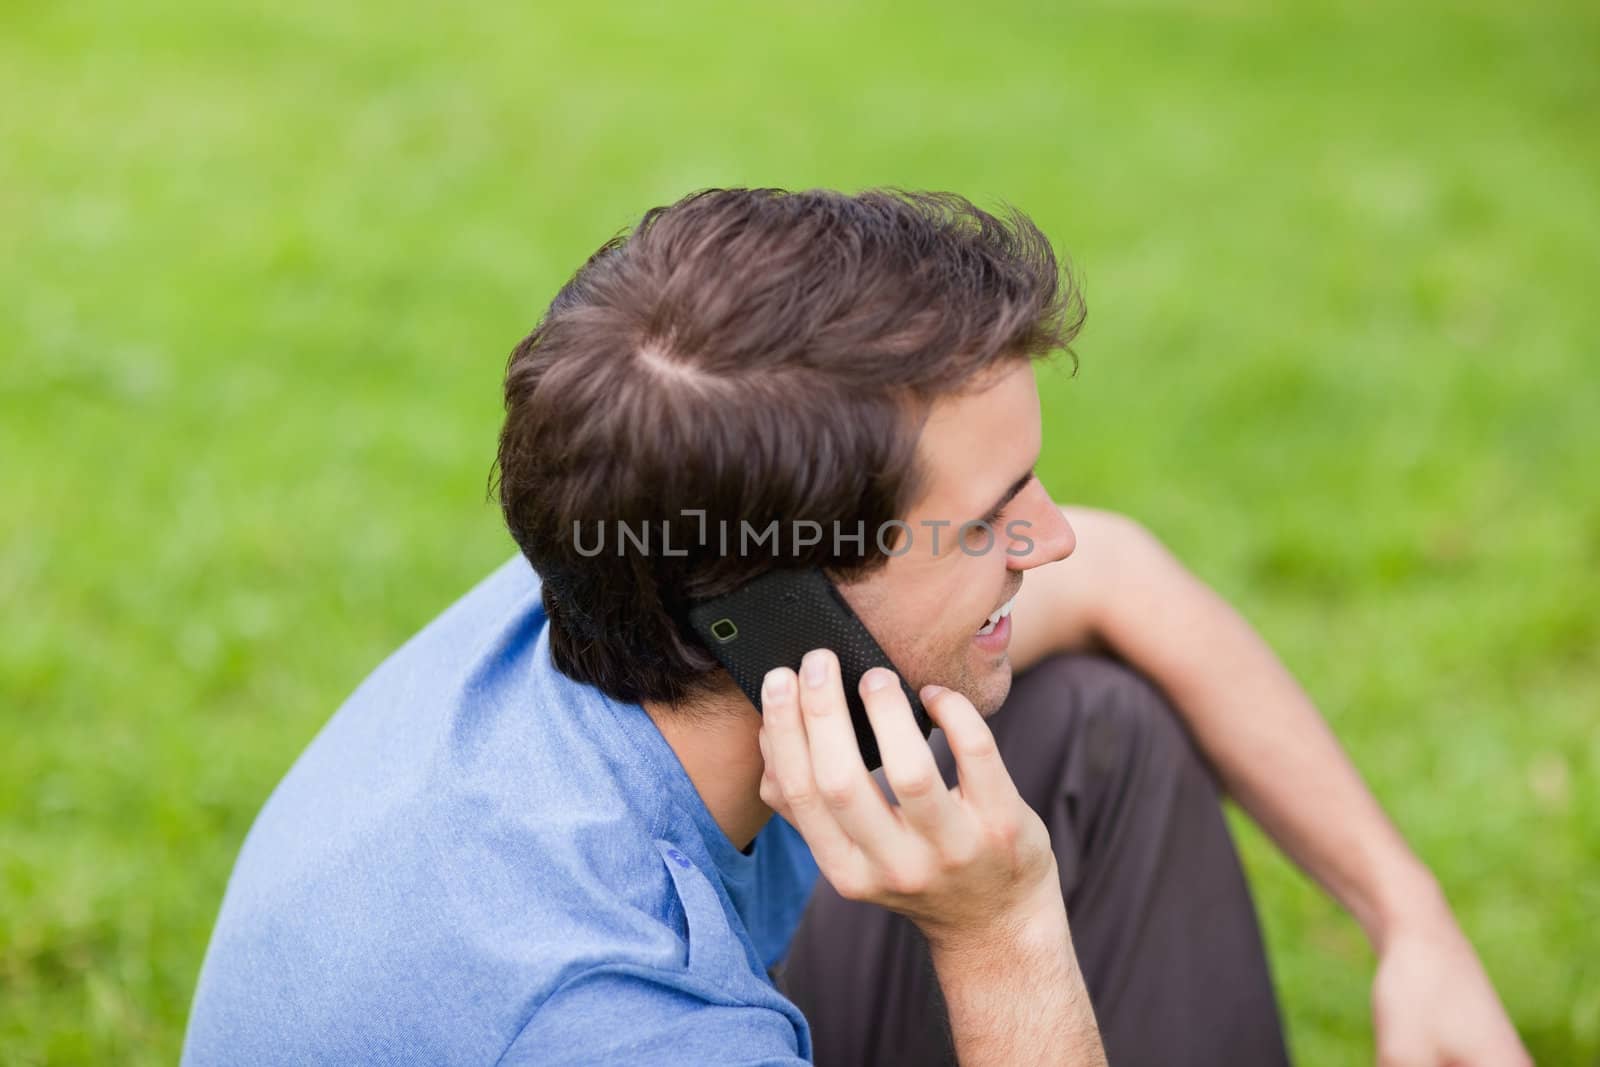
715	740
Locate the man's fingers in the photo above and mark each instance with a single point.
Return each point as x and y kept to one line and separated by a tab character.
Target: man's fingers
985	782
788	767
841	777
908	764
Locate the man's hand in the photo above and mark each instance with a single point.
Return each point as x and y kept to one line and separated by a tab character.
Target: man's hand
1433	1006
972	866
951	861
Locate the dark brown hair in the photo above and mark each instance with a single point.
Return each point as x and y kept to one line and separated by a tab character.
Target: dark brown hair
755	355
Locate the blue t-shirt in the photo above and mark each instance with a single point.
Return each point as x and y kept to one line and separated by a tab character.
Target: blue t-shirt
480	861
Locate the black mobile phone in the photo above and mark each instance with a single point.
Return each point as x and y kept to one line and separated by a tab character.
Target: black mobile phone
774	620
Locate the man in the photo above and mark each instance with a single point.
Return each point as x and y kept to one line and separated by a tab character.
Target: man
542	831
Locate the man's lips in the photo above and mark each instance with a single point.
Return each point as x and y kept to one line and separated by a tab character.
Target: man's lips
1000	613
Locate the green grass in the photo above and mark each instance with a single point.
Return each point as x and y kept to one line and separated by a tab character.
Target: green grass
263	263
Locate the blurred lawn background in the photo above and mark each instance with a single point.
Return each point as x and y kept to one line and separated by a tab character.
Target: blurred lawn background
263	265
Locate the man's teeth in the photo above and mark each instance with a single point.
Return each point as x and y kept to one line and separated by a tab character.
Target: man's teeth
994	620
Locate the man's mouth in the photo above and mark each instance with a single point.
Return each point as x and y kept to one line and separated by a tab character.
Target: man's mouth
994	618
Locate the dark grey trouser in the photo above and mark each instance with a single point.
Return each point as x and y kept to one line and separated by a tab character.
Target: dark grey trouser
1161	917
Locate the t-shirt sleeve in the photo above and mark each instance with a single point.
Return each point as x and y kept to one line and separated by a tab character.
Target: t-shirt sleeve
625	1014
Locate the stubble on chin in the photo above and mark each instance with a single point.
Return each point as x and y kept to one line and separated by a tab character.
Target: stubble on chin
986	688
986	685
996	688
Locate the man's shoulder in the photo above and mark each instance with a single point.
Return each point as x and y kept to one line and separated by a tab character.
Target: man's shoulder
505	602
438	916
463	768
457	841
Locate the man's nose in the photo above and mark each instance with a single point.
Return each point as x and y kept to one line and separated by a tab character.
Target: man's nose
1047	528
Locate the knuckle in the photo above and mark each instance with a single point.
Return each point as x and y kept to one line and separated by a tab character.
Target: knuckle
837	794
1005	834
852	885
908	879
958	856
915	785
800	799
790	779
980	747
820	706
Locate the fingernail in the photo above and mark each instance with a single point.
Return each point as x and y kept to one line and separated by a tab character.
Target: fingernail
776	683
814	668
930	691
875	679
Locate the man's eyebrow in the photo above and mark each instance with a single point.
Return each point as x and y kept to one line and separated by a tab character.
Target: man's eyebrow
1010	494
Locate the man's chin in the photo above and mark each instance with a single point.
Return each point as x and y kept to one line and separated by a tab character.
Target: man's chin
985	681
992	688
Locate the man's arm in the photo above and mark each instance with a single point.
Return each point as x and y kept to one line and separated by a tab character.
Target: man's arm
1015	995
1123	592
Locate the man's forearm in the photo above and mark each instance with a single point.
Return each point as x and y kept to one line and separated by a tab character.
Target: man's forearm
1271	747
1016	996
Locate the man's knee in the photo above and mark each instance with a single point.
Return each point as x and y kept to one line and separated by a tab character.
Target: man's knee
1153	885
1104	718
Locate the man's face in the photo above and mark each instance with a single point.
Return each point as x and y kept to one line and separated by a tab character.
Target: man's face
928	605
